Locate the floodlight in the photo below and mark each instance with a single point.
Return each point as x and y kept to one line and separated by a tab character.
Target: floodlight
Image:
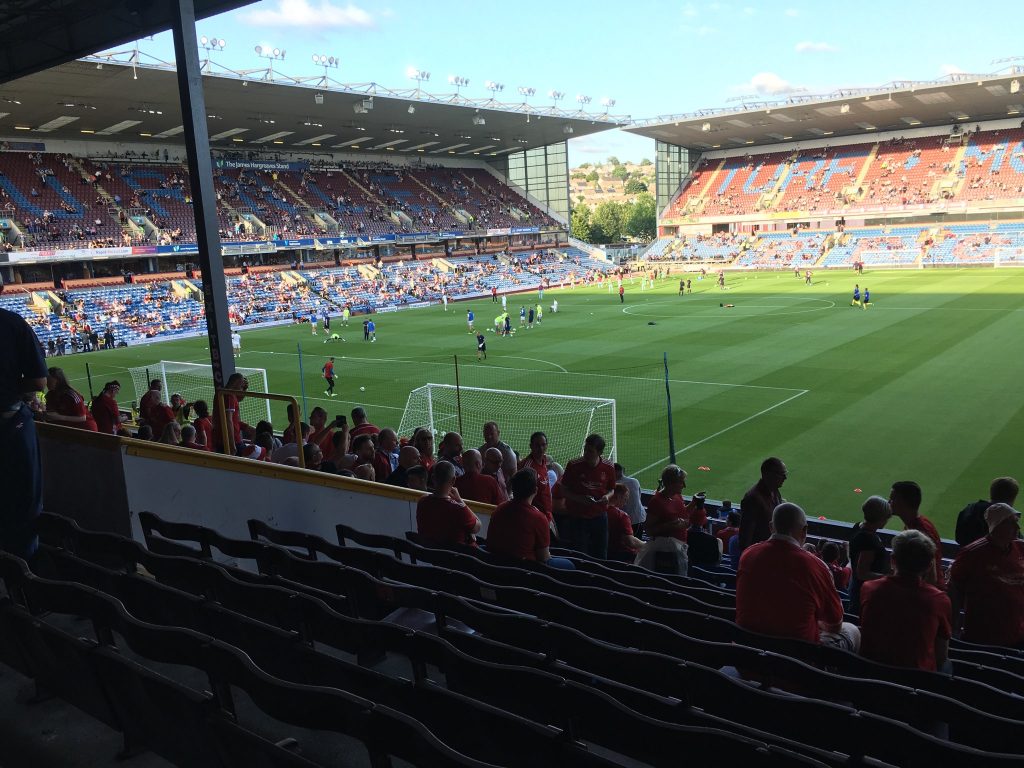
412	109
1014	86
706	127
318	98
583	100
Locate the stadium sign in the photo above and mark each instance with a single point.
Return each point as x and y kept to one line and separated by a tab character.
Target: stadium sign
499	231
450	233
525	230
72	254
260	165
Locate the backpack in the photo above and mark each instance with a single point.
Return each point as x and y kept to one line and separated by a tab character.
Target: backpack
970	523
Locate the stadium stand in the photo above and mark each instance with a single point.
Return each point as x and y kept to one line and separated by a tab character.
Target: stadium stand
271	616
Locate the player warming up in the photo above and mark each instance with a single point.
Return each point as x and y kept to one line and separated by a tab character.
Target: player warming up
867	298
469	320
481	347
328	371
856	296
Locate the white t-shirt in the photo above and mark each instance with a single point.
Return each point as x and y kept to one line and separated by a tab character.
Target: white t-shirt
236	340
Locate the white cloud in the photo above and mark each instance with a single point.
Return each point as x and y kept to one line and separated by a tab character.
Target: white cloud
304	13
690	10
768	84
792	12
951	69
700	31
808	46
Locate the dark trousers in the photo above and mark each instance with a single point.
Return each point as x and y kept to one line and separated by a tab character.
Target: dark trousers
22	483
586	534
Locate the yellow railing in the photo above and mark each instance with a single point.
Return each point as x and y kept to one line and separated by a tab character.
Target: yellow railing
229	434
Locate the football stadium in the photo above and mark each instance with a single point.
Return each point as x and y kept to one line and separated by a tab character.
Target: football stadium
332	439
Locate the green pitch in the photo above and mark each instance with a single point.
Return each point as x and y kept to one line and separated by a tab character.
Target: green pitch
926	384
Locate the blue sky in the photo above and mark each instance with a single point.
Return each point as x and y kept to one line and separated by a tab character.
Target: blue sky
652	57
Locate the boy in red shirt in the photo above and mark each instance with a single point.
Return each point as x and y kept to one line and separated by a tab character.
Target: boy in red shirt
518	529
667	513
622	544
905	500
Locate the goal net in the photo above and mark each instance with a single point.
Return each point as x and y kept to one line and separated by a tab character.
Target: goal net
565	419
1009	257
195	382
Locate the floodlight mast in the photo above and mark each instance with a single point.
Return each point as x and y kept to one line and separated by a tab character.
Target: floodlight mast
494	88
271	55
210	44
458	81
327	62
420	76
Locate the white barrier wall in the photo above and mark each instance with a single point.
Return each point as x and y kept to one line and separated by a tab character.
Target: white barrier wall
220	492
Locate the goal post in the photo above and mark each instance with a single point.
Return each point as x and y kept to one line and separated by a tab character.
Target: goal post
195	382
565	419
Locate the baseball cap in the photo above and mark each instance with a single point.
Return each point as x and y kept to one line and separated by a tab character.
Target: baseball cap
998	514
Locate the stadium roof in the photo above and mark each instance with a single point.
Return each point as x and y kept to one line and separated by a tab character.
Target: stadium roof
960	98
259	109
39	34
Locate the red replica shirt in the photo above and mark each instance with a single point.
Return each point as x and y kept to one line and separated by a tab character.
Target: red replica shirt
925	526
70	403
518	530
146	403
991	581
900	618
585	480
363	429
443	521
619	527
725	534
204	427
480	487
661	509
160	416
329	371
542	500
784	591
106	414
381	465
234	423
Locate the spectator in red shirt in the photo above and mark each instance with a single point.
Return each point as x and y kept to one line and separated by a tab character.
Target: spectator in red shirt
622	544
987	581
188	438
65	405
423	441
492	439
442	517
732	528
830	554
784	591
903	620
360	424
587	484
105	410
492	468
385	458
232	404
160	416
667	513
148	400
203	424
759	502
518	529
476	486
905	501
537	460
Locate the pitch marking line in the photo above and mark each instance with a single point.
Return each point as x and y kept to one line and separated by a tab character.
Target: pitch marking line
720	432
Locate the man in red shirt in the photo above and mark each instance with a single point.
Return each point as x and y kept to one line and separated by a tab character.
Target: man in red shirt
518	529
442	517
385	458
203	424
149	400
760	501
160	416
785	591
537	460
905	501
587	484
492	468
987	580
64	404
105	410
903	620
360	424
667	513
476	486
